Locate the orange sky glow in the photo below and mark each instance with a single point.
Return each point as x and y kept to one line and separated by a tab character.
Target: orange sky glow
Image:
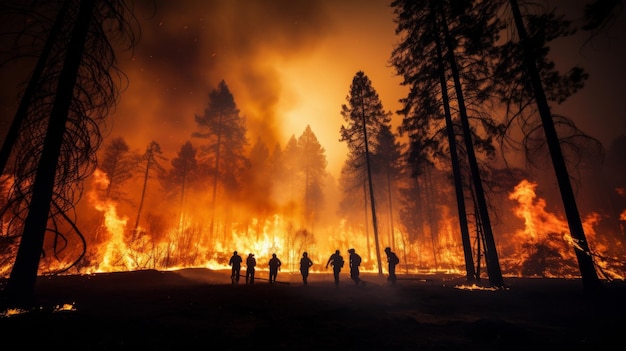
290	64
287	69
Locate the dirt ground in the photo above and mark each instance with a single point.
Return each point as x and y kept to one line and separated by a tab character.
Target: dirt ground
200	309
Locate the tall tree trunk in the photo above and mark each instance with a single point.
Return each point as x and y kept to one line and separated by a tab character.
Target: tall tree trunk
433	225
31	88
182	202
390	197
370	182
456	169
493	263
366	222
306	191
21	284
143	191
590	280
217	174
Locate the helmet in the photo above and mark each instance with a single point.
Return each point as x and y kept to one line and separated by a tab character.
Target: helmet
351	251
387	249
234	253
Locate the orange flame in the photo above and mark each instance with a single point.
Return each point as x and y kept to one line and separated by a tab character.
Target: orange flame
545	245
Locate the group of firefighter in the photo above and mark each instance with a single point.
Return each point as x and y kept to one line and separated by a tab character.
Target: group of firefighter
335	260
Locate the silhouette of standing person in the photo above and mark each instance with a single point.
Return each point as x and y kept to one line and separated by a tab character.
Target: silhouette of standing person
355	262
274	267
235	263
336	261
392	260
250	264
305	264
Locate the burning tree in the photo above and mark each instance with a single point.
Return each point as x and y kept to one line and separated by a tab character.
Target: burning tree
524	59
225	131
312	168
119	164
150	163
59	130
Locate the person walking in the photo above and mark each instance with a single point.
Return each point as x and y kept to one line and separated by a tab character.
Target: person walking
235	263
392	261
274	267
250	264
355	262
305	264
335	260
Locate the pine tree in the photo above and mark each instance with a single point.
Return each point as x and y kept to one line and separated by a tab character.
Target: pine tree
387	165
119	164
225	132
439	37
291	161
365	116
182	177
150	161
312	168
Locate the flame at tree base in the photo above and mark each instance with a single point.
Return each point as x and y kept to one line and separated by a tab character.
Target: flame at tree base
542	247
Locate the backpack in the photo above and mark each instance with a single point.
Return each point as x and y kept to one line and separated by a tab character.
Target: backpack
356	260
338	261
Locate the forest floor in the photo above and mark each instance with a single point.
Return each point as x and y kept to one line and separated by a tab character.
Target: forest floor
199	308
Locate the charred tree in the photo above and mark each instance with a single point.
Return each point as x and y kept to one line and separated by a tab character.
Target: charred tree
119	165
588	272
21	285
470	272
150	158
56	148
491	255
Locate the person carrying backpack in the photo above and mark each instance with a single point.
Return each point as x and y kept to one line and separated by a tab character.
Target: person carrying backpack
335	260
355	262
235	263
392	261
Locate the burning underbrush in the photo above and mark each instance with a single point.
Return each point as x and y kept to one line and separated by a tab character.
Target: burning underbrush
541	246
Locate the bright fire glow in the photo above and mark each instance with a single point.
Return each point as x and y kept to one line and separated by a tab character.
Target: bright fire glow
542	246
476	287
13	312
65	307
545	247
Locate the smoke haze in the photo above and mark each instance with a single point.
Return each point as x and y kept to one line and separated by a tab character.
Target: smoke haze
280	59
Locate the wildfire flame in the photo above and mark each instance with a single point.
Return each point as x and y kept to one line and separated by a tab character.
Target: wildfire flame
541	246
545	247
